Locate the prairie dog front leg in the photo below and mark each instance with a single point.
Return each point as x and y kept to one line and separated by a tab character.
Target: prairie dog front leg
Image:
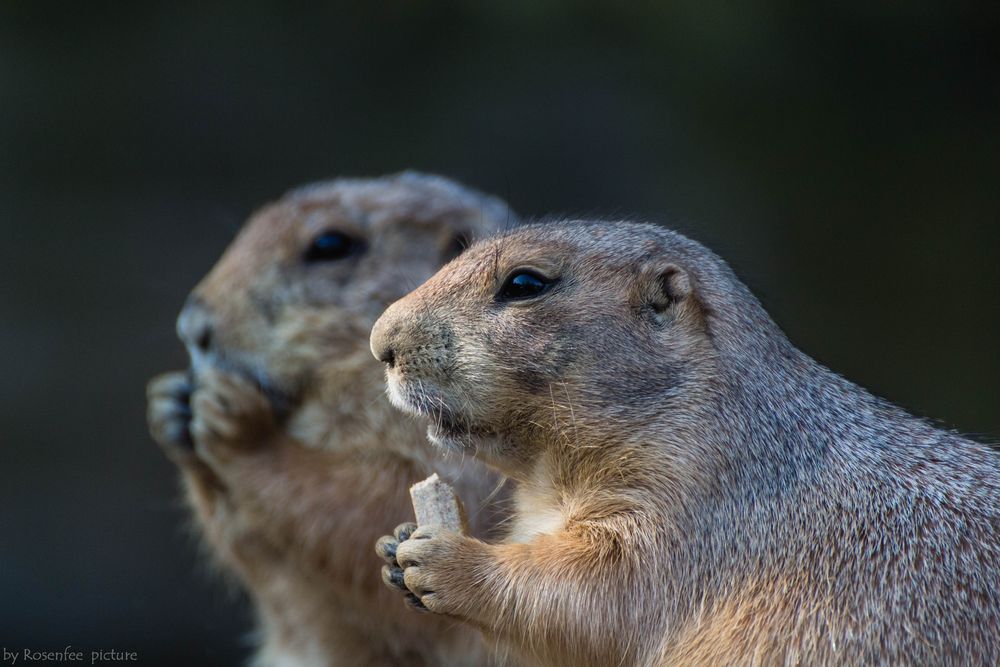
552	591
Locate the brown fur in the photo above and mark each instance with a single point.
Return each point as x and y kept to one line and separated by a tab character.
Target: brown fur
692	489
290	454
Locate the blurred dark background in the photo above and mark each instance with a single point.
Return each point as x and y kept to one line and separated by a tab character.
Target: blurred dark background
845	159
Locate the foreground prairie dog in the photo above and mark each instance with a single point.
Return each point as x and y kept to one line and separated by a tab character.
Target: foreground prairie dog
291	455
691	488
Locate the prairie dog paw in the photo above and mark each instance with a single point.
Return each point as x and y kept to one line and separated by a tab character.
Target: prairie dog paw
168	413
438	569
228	413
392	574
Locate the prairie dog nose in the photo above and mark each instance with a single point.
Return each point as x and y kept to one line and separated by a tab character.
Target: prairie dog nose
383	335
411	330
195	325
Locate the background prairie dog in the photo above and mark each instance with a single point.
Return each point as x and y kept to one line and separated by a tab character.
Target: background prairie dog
290	454
692	489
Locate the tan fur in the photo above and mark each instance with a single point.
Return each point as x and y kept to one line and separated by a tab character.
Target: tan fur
756	625
692	490
295	458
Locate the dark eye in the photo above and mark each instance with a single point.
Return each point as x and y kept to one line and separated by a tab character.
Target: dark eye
524	284
332	245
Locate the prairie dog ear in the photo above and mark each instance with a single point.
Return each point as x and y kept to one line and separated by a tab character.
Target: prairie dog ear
671	292
672	286
667	285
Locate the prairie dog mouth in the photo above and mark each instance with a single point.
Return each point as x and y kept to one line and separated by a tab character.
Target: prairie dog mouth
418	399
449	430
283	401
399	397
424	401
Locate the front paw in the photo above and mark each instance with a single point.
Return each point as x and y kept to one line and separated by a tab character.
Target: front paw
392	574
168	413
433	565
229	414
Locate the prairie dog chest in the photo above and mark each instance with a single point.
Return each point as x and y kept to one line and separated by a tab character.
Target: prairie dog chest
538	509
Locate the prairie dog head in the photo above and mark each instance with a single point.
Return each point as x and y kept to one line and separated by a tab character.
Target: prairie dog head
291	301
562	334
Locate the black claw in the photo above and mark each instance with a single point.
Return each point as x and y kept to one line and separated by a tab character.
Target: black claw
180	434
184	391
386	549
186	438
393	578
413	602
404	530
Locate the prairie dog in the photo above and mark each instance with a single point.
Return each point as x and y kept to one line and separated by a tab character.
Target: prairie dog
291	456
692	489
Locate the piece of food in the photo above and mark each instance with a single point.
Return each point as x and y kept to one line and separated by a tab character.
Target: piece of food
435	504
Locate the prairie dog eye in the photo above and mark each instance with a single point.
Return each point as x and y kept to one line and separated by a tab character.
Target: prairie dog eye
332	245
524	284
